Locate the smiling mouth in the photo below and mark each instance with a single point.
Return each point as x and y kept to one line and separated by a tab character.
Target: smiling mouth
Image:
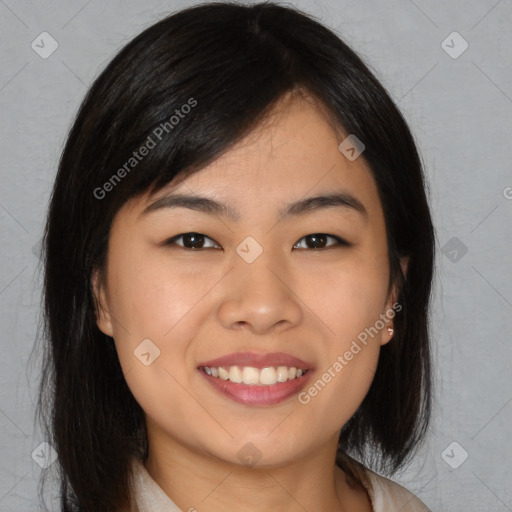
248	385
251	376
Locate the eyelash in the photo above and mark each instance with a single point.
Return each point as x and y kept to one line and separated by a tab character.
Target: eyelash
340	241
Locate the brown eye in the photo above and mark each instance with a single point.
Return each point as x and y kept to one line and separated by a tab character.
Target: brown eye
191	241
319	241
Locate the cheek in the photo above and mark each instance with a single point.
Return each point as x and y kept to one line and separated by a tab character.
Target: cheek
152	296
156	312
347	368
337	392
349	307
162	308
349	297
158	307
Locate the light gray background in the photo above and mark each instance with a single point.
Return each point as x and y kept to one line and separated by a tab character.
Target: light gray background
460	110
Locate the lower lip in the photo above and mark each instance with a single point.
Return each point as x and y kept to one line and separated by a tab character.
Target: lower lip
258	395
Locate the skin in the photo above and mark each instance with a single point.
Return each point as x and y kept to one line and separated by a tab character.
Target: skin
199	304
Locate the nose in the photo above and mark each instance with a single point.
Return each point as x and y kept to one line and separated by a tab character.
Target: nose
259	296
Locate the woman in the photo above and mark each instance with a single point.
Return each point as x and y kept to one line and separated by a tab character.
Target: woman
238	263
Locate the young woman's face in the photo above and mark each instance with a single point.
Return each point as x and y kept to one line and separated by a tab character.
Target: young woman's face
269	280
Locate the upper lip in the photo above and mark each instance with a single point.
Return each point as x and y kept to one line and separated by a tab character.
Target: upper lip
256	360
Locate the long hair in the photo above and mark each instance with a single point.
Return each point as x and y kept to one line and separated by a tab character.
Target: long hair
230	64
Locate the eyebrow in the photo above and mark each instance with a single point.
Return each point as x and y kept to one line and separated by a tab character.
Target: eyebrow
340	199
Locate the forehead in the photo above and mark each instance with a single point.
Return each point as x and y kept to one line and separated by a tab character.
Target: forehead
294	139
293	153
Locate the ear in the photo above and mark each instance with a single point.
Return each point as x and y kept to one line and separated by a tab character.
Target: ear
393	307
404	263
103	317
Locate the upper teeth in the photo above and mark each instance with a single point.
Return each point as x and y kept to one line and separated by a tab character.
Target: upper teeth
255	376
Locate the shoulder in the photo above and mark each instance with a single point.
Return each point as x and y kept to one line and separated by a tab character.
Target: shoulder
385	494
147	495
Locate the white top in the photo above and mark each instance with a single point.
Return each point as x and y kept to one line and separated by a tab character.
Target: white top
385	495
